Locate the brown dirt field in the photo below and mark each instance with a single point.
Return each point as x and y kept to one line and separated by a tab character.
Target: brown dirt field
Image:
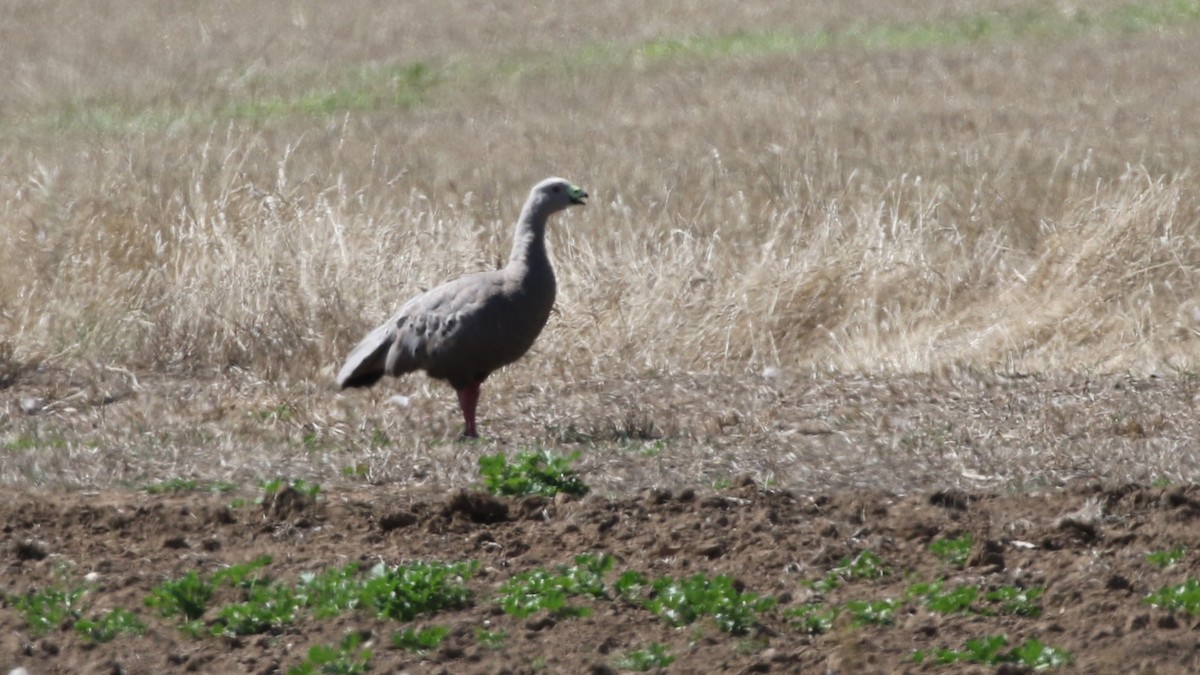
1084	542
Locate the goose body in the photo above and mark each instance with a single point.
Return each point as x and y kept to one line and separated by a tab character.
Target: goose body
465	329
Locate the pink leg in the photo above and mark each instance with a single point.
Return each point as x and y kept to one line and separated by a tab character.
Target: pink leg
467	399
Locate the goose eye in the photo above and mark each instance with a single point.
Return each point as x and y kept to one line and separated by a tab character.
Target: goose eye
557	189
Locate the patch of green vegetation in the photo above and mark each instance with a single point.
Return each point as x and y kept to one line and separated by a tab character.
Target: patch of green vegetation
492	639
1019	601
420	641
187	595
540	589
957	600
989	651
1165	559
406	591
653	656
874	612
108	626
954	551
1183	597
271	488
865	565
173	485
682	601
332	592
50	608
344	659
531	473
267	607
813	618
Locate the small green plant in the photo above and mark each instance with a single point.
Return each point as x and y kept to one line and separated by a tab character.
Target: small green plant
865	565
188	595
331	592
683	601
653	656
406	591
172	485
272	488
1183	597
239	575
955	551
49	609
108	626
1019	601
531	473
989	651
420	641
541	589
813	618
492	639
957	600
344	659
267	607
876	612
1164	559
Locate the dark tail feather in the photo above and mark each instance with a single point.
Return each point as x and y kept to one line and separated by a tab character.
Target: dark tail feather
364	366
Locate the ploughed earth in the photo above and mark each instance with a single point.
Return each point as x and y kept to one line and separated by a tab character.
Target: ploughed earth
844	582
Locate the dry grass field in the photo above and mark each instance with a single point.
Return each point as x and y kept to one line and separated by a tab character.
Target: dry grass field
885	246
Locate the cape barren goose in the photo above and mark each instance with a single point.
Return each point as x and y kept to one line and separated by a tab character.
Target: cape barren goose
463	330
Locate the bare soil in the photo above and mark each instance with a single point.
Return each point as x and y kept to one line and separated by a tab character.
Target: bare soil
1085	542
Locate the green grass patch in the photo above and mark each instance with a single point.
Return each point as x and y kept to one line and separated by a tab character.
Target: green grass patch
989	651
681	602
812	618
531	473
954	551
50	608
1018	601
865	565
272	488
187	596
652	657
873	612
1165	559
347	658
491	639
406	591
420	641
1184	597
542	589
108	626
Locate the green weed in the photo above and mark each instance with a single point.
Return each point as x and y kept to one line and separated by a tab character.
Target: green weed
682	601
989	651
957	600
1019	601
108	626
1183	597
492	639
267	607
406	591
653	656
865	565
1164	559
420	641
875	612
49	609
344	659
531	473
540	589
188	595
271	488
813	618
955	551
